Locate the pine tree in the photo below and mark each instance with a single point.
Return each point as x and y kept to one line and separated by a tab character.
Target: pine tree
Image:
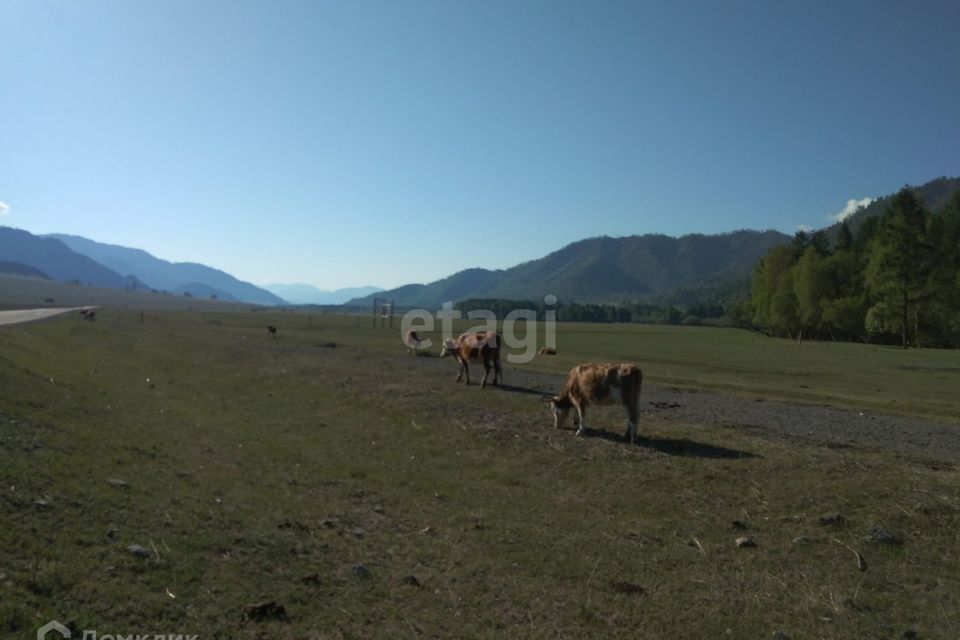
900	264
844	241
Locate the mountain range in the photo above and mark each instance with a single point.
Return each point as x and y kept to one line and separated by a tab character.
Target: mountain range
54	259
659	269
177	277
649	268
70	258
605	269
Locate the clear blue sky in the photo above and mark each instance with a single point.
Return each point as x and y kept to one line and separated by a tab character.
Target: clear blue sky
359	142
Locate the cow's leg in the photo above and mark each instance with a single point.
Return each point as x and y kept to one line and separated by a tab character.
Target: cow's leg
486	371
497	372
631	408
581	418
463	368
559	415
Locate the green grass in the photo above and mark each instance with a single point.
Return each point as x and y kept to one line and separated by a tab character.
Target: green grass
265	468
920	382
889	379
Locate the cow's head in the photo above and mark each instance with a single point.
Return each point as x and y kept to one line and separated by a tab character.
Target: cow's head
449	346
559	407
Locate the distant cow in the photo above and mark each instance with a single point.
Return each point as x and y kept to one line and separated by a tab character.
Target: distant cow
272	330
90	314
547	351
413	342
482	345
599	383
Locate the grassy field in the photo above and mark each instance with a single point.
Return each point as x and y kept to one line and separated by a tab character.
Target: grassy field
265	469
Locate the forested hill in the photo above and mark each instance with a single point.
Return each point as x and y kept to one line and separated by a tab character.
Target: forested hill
606	269
933	195
889	274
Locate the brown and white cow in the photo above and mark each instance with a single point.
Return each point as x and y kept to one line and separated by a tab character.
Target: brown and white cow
599	383
482	345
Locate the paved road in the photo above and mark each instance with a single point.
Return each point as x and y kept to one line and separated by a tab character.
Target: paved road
29	315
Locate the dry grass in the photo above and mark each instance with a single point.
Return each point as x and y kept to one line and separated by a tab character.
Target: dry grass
264	469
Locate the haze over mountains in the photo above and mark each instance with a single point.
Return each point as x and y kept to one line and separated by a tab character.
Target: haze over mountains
300	293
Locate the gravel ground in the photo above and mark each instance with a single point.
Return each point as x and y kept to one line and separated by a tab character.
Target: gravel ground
813	424
819	424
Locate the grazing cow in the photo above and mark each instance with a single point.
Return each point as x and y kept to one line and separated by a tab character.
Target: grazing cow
272	330
483	345
413	341
597	383
91	315
547	351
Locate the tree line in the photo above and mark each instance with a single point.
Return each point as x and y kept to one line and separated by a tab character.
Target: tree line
897	280
702	313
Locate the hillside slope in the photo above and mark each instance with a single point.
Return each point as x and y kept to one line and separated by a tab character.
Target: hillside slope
58	261
169	276
606	269
10	268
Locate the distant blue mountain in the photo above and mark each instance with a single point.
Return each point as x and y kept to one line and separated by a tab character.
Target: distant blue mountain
60	262
299	293
176	277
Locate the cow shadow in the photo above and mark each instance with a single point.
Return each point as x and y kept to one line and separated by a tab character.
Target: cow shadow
510	388
679	447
